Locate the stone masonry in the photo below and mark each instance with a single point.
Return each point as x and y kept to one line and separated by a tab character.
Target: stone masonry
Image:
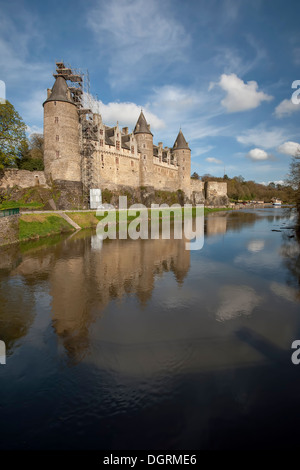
9	229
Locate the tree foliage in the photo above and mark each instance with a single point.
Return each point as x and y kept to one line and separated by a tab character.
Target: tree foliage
32	151
240	190
12	135
294	177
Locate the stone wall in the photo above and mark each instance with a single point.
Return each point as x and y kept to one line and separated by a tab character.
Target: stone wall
197	191
22	178
165	176
70	195
9	229
216	193
116	168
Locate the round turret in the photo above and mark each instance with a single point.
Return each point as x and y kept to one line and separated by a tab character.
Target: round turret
144	140
182	153
62	157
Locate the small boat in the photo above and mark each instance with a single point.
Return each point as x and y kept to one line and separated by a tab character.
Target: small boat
277	202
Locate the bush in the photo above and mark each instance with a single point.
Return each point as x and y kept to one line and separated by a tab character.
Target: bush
33	164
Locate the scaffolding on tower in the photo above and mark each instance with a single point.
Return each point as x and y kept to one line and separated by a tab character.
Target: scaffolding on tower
79	86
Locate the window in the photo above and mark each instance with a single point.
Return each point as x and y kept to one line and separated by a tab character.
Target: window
57	153
118	145
101	131
183	168
102	158
56	120
54	103
144	157
132	163
101	142
57	138
132	149
117	160
144	146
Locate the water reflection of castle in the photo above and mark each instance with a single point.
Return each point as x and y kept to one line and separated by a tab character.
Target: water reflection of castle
84	277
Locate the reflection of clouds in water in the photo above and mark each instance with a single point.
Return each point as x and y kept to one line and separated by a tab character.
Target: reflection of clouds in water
235	301
288	293
262	260
256	245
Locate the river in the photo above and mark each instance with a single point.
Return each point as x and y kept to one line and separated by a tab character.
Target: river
143	344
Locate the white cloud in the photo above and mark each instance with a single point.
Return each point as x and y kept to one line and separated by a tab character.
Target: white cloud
258	155
16	64
177	98
126	113
256	245
275	182
288	293
201	150
236	301
214	160
32	109
285	108
262	138
139	38
289	148
241	96
34	130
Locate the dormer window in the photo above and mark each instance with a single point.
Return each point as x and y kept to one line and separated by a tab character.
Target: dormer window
118	145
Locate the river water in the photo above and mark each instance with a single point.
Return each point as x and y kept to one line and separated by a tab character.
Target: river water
142	344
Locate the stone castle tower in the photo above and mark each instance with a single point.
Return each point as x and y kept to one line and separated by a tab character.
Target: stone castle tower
62	157
182	154
144	139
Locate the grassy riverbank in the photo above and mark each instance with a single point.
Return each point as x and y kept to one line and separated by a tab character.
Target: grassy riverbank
33	226
42	225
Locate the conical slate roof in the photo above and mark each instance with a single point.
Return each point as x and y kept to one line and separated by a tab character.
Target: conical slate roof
141	126
180	142
60	91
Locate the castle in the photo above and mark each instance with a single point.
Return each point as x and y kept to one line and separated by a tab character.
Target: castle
81	153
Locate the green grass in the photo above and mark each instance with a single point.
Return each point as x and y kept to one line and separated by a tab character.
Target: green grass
33	226
42	225
21	205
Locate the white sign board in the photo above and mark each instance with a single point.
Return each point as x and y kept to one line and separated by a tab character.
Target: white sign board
95	198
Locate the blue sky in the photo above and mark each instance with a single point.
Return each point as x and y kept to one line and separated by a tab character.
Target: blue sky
221	69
